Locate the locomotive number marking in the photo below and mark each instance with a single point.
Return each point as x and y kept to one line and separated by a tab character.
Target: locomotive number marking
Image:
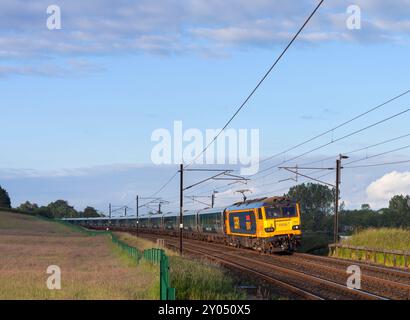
236	223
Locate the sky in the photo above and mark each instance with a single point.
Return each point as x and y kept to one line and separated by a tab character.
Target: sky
79	105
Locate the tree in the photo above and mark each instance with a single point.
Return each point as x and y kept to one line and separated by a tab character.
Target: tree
316	201
400	203
44	211
28	207
90	212
365	206
61	209
398	214
4	199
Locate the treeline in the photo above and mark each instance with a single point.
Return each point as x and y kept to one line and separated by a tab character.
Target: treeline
56	209
397	215
317	207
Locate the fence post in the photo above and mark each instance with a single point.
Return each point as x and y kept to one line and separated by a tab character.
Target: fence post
161	281
166	293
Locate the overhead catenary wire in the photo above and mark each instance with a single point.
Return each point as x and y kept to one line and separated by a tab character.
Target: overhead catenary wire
372	164
258	84
164	185
338	139
252	93
377	164
358	160
361	159
331	142
367	157
367	166
358	150
338	126
379	154
159	190
344	167
326	132
255	89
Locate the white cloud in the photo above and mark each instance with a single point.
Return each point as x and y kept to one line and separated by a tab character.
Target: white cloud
10	173
379	192
207	28
69	67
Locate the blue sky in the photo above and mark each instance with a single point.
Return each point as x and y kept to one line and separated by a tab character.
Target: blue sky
79	104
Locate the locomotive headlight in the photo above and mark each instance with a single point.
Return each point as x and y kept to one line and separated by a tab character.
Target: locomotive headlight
297	227
271	229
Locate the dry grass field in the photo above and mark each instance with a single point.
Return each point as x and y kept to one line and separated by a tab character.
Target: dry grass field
91	266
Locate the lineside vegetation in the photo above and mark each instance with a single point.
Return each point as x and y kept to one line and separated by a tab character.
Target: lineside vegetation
92	267
383	238
193	279
380	239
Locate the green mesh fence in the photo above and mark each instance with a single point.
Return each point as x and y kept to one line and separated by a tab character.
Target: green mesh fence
131	251
154	256
166	292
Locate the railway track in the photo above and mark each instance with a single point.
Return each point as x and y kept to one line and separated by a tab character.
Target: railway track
376	283
299	292
303	284
393	274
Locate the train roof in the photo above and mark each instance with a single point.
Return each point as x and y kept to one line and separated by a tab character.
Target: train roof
155	216
211	210
261	202
176	214
97	218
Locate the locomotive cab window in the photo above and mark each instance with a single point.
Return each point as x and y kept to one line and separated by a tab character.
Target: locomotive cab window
289	212
280	212
272	212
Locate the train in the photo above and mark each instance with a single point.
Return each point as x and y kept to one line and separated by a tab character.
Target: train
268	224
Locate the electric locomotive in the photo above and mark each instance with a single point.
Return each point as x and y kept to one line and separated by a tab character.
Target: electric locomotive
265	224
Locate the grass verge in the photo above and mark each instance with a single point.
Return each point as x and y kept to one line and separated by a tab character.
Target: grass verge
193	279
379	239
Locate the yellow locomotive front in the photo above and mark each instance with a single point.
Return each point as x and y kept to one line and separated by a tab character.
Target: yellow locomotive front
266	224
281	224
